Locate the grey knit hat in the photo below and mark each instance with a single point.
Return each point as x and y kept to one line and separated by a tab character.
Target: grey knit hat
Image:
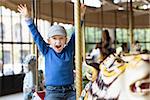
56	30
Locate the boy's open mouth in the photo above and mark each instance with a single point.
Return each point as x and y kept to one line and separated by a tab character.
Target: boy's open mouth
58	46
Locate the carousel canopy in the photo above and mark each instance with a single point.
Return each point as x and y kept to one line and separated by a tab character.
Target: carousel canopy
109	13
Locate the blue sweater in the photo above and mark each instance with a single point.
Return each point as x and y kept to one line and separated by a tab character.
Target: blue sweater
58	66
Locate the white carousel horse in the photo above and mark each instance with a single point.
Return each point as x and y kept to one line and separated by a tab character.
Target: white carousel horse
30	76
121	78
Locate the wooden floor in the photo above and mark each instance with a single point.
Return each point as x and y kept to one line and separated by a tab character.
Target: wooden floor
17	96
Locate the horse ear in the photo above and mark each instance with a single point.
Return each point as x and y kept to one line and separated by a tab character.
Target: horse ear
30	60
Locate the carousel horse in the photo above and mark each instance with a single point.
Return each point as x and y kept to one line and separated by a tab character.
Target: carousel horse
29	86
29	68
120	78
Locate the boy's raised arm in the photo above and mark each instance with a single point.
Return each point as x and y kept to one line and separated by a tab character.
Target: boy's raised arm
72	40
42	45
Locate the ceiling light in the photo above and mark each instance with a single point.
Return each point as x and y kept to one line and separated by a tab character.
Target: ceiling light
120	8
148	6
116	1
145	7
91	3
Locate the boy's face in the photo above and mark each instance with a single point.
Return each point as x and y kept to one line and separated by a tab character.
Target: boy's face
57	42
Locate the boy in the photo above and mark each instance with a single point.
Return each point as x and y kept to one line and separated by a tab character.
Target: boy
58	58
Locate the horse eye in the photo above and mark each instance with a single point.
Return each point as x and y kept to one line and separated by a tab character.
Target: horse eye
119	61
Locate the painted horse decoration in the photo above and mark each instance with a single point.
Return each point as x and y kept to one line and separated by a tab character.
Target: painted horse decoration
120	78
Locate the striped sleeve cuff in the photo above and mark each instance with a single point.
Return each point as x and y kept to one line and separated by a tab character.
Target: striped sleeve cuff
29	21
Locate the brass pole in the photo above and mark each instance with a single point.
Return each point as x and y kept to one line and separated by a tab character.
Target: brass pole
78	44
35	49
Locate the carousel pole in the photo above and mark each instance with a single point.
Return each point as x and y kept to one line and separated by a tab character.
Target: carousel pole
35	50
131	24
102	18
127	8
102	26
33	16
51	9
78	44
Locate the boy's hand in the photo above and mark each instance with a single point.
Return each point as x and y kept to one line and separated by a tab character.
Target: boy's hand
83	9
23	10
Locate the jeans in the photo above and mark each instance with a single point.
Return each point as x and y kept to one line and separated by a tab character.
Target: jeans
60	93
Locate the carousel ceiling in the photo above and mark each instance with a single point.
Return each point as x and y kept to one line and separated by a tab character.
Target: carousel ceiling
110	13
